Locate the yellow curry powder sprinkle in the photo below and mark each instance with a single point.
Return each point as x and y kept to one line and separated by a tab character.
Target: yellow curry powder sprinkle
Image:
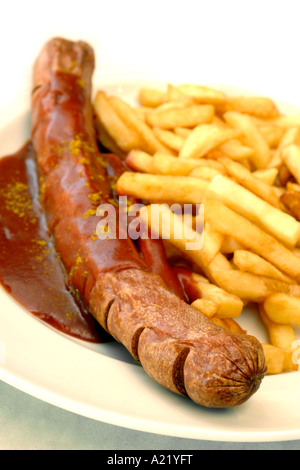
41	242
78	144
44	251
95	198
101	161
84	161
78	260
69	315
89	213
43	189
81	82
113	202
95	236
17	199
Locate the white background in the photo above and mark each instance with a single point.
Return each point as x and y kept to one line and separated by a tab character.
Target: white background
248	44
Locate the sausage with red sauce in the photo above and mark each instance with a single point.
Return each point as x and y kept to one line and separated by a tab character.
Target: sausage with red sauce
176	345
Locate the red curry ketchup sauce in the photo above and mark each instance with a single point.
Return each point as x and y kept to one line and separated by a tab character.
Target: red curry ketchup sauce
189	286
30	268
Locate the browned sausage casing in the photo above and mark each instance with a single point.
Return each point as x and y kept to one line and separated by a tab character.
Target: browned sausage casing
176	345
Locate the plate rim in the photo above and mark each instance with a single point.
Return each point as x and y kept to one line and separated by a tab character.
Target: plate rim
128	422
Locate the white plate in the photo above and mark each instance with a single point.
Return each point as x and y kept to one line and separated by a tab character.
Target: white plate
102	382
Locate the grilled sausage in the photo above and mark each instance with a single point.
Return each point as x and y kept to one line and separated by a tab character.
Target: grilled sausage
176	345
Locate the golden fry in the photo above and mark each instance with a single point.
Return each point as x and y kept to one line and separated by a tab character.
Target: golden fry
181	189
259	106
204	138
252	237
169	165
286	121
229	306
252	263
244	285
107	141
229	245
170	226
291	157
204	172
268	176
278	223
129	115
203	94
281	336
140	161
124	137
290	136
275	358
282	308
175	94
151	97
169	138
291	200
251	181
208	307
212	243
233	149
169	118
272	134
252	137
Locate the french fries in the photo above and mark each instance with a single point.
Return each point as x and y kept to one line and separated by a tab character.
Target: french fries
252	181
276	222
229	305
211	244
268	176
233	149
286	122
208	307
283	337
252	237
259	106
290	136
252	263
169	118
244	285
204	138
133	121
282	308
291	157
203	94
168	165
252	137
205	173
275	359
291	200
240	157
124	137
162	187
167	225
140	161
174	94
169	138
151	97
